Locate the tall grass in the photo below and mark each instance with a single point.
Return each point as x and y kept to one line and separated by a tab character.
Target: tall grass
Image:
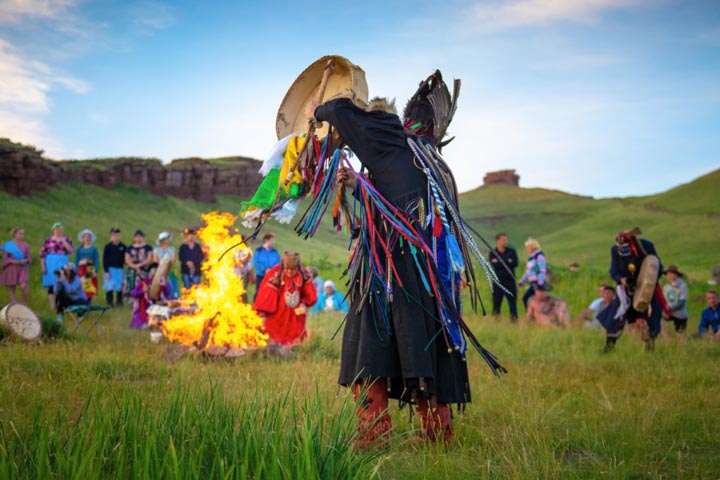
195	432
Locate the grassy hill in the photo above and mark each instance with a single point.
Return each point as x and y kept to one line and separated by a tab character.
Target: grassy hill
683	222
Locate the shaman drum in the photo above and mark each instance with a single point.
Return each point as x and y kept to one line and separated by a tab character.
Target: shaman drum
21	321
347	80
160	274
646	282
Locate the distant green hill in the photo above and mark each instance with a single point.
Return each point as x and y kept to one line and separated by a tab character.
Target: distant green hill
684	223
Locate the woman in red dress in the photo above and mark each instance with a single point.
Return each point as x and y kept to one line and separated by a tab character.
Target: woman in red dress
283	300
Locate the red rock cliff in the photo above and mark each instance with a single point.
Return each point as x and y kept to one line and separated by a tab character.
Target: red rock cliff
24	170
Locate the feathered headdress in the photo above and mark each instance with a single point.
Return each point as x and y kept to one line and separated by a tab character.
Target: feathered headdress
431	109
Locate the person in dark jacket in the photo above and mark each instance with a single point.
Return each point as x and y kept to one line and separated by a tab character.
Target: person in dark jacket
191	258
504	260
114	268
626	259
403	357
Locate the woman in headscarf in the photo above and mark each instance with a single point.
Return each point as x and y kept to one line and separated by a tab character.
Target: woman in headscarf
15	263
54	255
283	299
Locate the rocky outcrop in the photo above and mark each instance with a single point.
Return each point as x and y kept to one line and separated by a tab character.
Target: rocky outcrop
24	170
502	177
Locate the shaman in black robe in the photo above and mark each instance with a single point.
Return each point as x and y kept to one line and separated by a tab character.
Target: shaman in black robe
398	338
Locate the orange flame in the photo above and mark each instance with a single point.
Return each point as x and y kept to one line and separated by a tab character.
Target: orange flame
231	323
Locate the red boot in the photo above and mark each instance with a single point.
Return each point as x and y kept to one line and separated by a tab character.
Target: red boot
435	424
375	425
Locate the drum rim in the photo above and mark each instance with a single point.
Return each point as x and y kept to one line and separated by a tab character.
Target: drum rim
7	309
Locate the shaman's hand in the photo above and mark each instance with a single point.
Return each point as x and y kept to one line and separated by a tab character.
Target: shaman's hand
346	177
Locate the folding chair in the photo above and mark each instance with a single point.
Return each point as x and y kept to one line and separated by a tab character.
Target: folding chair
80	313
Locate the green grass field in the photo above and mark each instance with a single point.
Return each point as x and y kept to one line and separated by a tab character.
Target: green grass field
114	407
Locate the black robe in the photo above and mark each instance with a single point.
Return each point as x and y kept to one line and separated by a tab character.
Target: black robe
414	358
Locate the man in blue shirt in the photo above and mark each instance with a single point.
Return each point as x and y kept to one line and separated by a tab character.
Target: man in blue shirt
265	258
711	315
330	300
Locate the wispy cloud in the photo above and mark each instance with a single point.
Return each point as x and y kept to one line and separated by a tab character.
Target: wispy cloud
149	16
24	88
16	11
497	15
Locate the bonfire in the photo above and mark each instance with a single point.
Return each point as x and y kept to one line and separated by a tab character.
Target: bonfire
219	317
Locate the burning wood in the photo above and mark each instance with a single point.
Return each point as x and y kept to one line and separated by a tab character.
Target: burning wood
221	321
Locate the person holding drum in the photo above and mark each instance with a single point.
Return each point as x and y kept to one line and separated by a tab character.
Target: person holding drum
636	267
15	265
392	345
54	255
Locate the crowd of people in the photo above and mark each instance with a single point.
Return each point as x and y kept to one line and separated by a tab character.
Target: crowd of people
614	307
70	274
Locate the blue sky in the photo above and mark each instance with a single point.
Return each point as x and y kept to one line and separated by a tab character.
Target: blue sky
599	97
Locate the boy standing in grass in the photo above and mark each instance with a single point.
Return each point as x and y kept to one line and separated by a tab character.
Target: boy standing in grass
114	267
676	294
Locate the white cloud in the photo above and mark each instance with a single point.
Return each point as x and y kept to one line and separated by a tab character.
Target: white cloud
519	13
24	88
15	11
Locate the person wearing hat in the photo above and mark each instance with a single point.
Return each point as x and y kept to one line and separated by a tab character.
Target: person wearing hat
330	300
114	268
137	257
191	258
163	251
54	255
68	289
86	250
626	258
676	295
547	310
87	260
394	345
